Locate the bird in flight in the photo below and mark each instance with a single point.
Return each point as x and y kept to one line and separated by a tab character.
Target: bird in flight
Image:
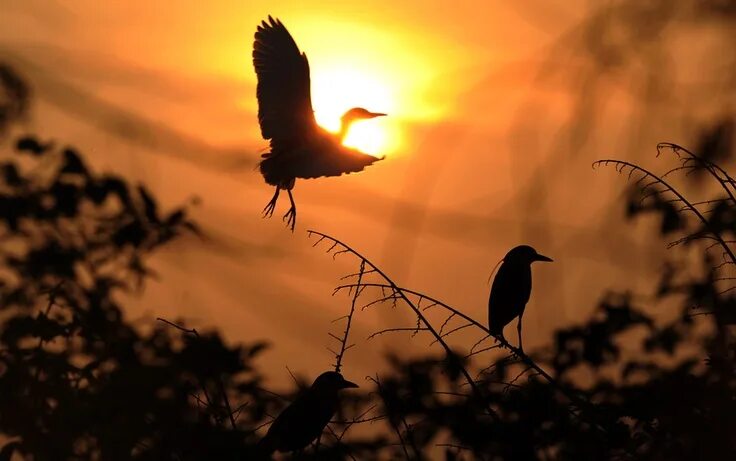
299	147
511	289
306	417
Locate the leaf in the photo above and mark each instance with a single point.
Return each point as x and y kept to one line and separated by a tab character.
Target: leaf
150	209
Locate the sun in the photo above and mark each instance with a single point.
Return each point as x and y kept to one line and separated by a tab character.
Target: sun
335	89
356	64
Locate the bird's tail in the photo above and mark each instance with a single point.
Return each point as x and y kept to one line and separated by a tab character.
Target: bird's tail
270	169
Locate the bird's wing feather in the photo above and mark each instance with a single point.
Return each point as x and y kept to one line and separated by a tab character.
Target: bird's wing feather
284	97
299	424
334	161
509	294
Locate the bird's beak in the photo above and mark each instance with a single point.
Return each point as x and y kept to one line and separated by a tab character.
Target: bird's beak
348	384
543	258
377	114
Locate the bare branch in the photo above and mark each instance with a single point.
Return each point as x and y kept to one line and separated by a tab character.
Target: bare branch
344	341
413	307
669	188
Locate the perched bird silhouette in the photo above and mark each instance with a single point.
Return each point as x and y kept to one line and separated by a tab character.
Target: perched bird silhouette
511	289
299	147
306	417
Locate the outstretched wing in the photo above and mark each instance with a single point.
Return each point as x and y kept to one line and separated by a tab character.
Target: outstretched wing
284	99
334	161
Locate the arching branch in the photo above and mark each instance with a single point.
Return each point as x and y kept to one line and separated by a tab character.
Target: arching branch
621	166
337	247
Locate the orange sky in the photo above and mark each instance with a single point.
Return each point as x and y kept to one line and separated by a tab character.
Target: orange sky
496	113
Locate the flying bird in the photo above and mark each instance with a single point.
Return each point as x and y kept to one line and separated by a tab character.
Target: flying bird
299	147
511	289
306	417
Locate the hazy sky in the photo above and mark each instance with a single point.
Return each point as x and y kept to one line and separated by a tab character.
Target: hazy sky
496	111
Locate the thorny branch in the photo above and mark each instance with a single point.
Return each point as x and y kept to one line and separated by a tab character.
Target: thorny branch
516	351
397	292
349	319
339	247
621	166
720	175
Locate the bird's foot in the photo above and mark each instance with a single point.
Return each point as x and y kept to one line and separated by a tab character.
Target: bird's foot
290	218
268	209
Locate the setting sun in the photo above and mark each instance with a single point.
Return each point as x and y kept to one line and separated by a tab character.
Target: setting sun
335	90
353	64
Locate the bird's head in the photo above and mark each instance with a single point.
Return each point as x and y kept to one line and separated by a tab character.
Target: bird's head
331	381
524	254
353	115
358	113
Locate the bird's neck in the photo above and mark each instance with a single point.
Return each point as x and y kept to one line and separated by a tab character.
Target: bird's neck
345	125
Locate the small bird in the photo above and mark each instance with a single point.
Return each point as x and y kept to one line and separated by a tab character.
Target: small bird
299	147
306	417
511	289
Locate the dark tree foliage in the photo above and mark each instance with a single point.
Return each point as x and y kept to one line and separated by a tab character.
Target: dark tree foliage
15	97
643	378
78	381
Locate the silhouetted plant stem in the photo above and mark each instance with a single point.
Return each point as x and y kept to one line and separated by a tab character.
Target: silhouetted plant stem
52	294
401	292
220	384
346	249
349	319
396	428
516	351
528	361
712	168
226	401
622	165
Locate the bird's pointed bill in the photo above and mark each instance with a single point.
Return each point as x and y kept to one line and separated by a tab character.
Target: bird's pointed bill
349	384
543	258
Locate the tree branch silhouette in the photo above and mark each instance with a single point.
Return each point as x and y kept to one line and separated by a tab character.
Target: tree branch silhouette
471	321
621	166
349	318
337	247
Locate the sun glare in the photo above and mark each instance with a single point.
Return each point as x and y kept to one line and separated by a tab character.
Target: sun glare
355	64
335	90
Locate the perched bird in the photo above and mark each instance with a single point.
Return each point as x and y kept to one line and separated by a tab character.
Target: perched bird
299	147
306	417
511	289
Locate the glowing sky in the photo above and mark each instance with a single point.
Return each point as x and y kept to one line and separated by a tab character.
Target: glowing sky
496	112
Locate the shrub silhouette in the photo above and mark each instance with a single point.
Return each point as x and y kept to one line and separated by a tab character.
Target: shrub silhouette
79	381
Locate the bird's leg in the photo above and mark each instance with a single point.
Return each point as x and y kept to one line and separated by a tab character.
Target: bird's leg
268	209
518	329
290	216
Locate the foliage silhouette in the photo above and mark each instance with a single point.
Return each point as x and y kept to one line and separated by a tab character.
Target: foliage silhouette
79	381
15	97
669	393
